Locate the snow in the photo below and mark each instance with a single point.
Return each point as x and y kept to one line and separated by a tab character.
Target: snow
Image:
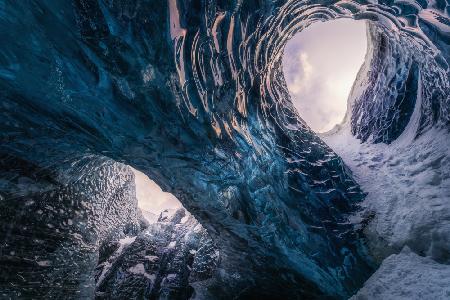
127	240
139	269
44	263
408	186
151	258
184	219
149	216
407	276
408	191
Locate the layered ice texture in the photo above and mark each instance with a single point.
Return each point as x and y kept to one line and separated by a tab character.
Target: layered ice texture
192	94
167	260
51	235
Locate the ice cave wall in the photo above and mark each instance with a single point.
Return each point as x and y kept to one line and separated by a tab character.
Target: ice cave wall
173	258
88	239
402	157
51	235
396	76
192	94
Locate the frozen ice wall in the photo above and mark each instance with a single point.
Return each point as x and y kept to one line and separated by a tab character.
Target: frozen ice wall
51	235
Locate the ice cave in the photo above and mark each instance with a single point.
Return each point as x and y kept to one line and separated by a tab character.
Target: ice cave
98	95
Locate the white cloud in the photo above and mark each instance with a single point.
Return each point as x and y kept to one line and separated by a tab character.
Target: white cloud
300	81
320	65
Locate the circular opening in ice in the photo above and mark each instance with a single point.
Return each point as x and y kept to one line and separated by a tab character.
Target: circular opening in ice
320	65
152	200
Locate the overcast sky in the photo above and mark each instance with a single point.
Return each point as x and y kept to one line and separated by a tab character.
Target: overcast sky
320	65
150	196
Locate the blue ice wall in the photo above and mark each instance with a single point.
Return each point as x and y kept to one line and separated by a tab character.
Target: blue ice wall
398	78
51	233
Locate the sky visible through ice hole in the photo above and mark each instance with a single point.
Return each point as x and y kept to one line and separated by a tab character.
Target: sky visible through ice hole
151	199
320	65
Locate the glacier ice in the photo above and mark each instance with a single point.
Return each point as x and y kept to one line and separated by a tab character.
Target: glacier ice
402	164
165	260
192	94
407	176
51	238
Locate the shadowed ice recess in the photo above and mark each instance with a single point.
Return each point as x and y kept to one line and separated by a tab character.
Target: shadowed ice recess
192	94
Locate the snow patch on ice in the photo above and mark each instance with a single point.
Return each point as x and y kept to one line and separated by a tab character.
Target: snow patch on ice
151	258
44	263
184	219
407	276
149	216
139	269
127	240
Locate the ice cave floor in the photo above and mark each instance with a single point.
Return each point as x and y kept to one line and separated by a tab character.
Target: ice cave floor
408	200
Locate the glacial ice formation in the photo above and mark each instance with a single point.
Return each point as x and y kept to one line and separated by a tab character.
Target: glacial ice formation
164	261
192	94
51	238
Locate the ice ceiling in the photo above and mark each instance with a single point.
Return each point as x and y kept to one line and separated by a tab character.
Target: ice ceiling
192	94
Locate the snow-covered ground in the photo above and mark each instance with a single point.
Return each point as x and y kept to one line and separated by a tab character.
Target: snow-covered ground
407	276
408	186
408	193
